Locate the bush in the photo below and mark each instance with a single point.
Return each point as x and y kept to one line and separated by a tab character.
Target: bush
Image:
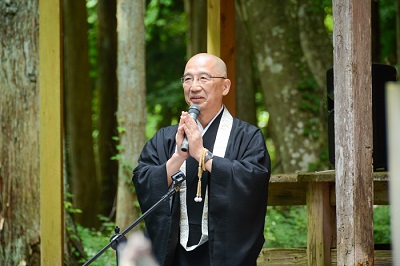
286	227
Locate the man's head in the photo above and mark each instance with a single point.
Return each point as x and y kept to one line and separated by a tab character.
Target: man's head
205	82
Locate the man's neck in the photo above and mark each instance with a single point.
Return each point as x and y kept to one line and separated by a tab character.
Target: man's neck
205	119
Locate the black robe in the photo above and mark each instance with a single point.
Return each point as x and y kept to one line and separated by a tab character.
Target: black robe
238	192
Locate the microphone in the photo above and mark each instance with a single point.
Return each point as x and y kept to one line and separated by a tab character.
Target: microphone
194	111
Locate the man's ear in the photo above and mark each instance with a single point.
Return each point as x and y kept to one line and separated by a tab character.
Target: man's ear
227	86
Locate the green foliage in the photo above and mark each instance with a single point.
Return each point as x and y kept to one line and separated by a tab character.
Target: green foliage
310	103
92	37
94	240
165	56
387	10
382	225
125	166
69	207
321	163
157	17
286	227
91	6
328	21
153	120
68	204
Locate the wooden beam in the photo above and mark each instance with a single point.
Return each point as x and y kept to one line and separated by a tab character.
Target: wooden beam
282	256
298	257
51	159
221	41
353	131
291	189
393	111
381	257
320	223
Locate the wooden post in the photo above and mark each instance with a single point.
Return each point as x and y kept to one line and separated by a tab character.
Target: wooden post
353	132
213	27
319	224
393	124
51	159
221	41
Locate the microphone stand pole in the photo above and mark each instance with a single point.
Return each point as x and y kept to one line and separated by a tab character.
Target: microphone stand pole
118	238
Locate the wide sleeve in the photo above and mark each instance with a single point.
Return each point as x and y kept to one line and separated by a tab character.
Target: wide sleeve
150	181
238	191
150	176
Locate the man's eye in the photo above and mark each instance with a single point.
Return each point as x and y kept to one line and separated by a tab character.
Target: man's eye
188	79
204	78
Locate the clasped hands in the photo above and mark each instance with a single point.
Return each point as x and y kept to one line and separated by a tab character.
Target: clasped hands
188	126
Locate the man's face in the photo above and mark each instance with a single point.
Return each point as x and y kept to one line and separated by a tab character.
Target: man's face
203	85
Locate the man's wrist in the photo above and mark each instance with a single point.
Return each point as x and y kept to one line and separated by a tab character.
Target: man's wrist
208	156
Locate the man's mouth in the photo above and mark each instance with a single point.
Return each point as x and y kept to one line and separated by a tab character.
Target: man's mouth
196	98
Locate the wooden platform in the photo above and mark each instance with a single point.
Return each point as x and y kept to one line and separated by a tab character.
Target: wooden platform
317	191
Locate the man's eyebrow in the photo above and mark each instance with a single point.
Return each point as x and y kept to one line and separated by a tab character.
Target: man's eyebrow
199	74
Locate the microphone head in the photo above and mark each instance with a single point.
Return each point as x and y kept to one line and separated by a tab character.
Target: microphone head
194	111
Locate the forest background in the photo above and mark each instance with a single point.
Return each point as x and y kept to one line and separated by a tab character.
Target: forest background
122	67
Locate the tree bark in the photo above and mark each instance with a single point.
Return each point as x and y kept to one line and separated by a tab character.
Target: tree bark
245	81
196	12
19	136
78	110
292	94
108	100
131	102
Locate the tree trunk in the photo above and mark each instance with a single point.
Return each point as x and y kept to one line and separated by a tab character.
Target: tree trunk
245	81
108	93
292	95
19	136
78	110
131	102
196	12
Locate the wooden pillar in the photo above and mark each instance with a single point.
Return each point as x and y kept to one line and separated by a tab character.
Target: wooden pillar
353	131
51	159
214	27
319	224
393	124
221	41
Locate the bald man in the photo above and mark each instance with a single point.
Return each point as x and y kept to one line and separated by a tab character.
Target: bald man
217	218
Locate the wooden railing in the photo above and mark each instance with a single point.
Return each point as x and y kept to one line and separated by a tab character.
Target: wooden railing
317	191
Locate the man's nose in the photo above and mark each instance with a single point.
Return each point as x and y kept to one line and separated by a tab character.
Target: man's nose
196	85
195	79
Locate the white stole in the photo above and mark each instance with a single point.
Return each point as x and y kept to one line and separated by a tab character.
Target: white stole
221	142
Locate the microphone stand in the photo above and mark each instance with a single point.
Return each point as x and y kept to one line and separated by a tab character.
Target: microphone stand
118	238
